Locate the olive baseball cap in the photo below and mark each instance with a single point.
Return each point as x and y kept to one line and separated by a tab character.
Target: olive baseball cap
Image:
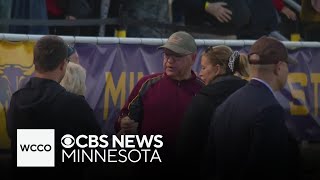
181	43
270	51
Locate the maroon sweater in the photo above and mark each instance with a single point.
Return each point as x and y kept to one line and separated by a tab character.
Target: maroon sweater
158	103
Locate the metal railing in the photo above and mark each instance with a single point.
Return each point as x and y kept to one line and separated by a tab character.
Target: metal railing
294	5
149	41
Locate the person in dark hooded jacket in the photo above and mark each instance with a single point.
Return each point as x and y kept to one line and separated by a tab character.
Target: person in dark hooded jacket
44	104
219	68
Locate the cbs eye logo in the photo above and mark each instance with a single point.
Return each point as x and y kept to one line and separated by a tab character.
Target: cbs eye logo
67	141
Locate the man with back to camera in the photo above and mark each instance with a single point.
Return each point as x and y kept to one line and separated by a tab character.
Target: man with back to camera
157	103
43	104
248	136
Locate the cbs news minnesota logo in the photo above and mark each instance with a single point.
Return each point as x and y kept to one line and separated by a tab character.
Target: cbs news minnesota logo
35	148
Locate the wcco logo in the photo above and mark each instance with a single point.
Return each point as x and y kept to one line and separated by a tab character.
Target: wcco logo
35	147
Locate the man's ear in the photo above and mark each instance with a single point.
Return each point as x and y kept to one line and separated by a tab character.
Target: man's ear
61	65
277	68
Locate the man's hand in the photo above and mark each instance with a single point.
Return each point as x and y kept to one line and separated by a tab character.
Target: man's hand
218	10
128	126
289	13
70	18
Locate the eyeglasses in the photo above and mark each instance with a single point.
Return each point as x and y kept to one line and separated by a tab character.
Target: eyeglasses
175	57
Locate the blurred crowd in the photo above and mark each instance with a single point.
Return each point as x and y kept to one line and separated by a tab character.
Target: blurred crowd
212	19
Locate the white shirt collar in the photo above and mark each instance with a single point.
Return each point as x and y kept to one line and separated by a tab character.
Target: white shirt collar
265	83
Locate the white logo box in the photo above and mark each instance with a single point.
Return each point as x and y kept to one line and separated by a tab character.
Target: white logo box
38	148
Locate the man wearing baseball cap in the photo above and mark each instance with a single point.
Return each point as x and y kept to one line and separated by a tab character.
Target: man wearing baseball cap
248	136
157	103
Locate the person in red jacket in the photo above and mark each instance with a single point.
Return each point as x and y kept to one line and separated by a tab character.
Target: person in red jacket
157	103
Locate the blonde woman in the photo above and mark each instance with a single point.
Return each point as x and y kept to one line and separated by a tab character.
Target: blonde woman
74	79
220	71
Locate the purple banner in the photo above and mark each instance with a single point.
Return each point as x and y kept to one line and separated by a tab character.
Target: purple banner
113	71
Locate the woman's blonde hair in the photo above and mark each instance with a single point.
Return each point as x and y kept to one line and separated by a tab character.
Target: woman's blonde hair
223	55
74	79
243	65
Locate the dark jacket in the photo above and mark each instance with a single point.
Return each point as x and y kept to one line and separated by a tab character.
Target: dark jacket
77	8
194	127
263	20
32	10
195	15
249	139
44	104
